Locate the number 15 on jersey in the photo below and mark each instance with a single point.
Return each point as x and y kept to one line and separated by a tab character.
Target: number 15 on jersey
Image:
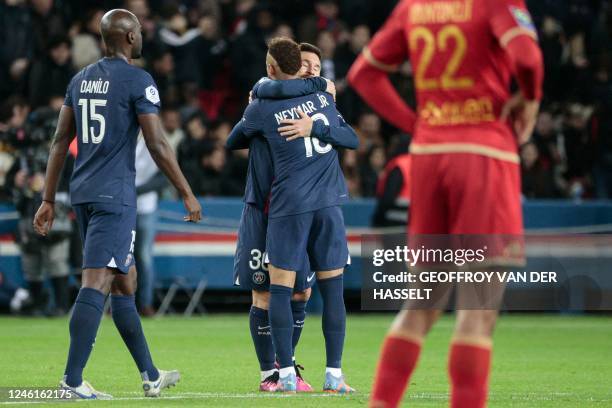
88	114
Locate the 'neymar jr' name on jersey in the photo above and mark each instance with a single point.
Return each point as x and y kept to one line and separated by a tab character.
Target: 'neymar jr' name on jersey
307	107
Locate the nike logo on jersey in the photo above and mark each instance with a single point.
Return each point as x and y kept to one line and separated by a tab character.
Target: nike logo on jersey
263	328
310	278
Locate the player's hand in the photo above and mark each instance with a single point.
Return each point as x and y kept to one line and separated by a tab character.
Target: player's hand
522	114
194	209
43	220
331	88
295	128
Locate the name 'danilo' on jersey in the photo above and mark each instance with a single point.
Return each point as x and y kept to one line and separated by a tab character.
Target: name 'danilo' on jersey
94	87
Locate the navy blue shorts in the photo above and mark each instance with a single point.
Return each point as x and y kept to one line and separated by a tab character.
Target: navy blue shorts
250	270
318	235
108	232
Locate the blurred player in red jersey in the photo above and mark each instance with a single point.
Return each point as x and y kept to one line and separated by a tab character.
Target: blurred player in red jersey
465	166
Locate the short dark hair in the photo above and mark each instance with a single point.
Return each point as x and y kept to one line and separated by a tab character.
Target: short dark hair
286	53
308	47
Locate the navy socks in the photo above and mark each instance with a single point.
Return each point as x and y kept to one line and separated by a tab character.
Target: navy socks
262	339
334	318
84	325
298	309
281	322
128	324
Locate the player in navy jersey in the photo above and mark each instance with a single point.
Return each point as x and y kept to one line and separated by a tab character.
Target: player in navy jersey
106	104
250	270
305	219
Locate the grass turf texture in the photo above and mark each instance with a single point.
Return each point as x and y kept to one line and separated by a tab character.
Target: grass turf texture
539	361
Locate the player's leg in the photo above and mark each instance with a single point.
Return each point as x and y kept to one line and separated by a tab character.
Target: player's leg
96	281
402	345
281	324
286	242
84	323
328	254
479	210
469	358
250	272
331	286
259	323
298	310
399	355
299	299
127	320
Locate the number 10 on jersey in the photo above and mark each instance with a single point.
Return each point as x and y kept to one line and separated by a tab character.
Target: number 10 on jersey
88	112
310	142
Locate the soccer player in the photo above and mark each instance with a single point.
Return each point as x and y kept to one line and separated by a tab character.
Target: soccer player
306	193
105	105
250	270
465	167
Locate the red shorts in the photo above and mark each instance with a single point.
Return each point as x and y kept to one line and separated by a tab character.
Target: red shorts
464	193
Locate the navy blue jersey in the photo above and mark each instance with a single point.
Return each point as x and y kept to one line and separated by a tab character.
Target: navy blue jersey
307	174
260	174
106	98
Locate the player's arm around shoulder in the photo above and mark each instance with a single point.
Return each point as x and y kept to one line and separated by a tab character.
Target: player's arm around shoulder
146	100
290	88
248	127
341	135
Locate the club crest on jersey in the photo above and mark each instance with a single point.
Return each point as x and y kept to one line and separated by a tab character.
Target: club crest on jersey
522	17
152	94
128	260
259	277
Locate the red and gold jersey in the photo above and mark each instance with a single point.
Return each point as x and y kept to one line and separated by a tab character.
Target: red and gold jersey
462	74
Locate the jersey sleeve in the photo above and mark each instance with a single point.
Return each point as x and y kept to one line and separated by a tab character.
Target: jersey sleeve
248	127
291	88
510	19
145	95
68	97
251	120
342	135
389	48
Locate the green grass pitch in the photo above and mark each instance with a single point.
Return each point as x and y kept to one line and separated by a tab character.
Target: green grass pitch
539	361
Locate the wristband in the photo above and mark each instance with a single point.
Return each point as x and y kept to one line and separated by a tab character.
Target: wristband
48	201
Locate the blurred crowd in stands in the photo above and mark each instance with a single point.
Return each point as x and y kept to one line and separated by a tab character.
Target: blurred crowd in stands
205	56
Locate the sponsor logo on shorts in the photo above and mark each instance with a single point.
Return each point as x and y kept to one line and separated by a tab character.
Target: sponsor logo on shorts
128	260
259	277
310	278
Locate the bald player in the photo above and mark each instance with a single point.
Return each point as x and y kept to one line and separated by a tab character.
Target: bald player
106	104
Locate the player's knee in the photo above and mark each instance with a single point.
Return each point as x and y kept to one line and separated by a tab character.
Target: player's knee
322	275
100	279
302	296
415	323
479	323
261	299
125	285
281	277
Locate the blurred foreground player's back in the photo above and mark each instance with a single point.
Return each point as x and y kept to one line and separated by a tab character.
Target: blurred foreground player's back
465	167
